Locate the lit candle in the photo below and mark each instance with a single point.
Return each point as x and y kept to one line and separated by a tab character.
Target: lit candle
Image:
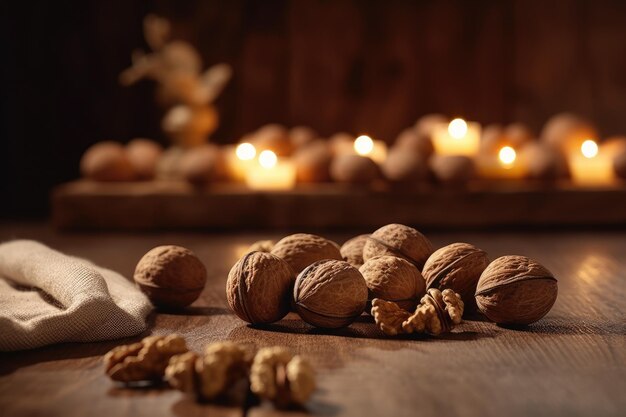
505	166
271	173
374	149
591	166
456	138
240	159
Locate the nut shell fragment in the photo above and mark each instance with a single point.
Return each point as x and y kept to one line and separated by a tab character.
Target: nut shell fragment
143	361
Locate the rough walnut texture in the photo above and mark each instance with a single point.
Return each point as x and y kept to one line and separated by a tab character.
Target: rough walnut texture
171	276
437	313
352	250
279	376
516	290
401	241
301	250
457	266
393	279
330	294
143	361
258	288
211	375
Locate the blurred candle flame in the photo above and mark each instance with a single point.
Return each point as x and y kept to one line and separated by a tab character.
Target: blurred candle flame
245	151
507	155
589	148
363	145
268	159
457	128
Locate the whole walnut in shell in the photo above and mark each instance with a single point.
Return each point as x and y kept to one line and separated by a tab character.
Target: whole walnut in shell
405	167
393	279
543	161
302	135
354	169
415	143
107	161
273	137
301	250
171	276
144	154
516	290
457	266
202	164
352	250
425	125
566	132
330	294
313	162
258	288
401	241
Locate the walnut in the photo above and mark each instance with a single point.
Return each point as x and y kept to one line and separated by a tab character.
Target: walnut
426	124
279	376
261	246
211	375
107	161
273	137
352	250
405	167
453	169
258	288
171	276
341	143
415	143
543	161
330	294
437	313
202	164
393	279
144	154
301	250
401	241
566	132
313	162
457	266
516	290
354	169
302	135
143	361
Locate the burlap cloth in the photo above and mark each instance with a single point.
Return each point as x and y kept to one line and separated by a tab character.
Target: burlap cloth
47	297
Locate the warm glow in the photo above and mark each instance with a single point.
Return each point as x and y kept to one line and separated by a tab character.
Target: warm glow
246	151
589	148
507	155
363	145
267	159
457	128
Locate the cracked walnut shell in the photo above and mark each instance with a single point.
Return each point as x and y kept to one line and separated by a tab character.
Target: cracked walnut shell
437	313
330	294
457	266
212	374
516	290
258	288
301	250
171	276
279	376
143	361
393	279
401	241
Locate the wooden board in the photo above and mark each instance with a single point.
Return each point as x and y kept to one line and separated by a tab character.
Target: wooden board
571	363
170	205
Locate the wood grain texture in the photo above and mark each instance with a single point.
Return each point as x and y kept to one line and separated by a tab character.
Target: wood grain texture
157	205
571	363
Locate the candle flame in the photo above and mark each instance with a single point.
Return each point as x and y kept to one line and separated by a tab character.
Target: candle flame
267	159
363	145
245	151
589	148
457	128
507	155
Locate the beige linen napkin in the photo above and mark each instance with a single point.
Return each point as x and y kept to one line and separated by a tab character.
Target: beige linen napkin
47	297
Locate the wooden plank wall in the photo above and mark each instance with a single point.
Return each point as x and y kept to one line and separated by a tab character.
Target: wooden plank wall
354	65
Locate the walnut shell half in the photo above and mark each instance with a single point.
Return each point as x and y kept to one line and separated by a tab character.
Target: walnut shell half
516	290
330	294
457	266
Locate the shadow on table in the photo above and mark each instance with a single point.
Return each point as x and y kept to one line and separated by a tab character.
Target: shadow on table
556	326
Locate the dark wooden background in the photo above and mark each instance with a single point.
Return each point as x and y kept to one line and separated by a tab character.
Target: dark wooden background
360	66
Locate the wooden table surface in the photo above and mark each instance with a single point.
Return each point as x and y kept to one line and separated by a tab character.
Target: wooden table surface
571	363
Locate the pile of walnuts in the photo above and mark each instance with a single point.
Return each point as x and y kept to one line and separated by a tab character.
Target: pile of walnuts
393	273
272	373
